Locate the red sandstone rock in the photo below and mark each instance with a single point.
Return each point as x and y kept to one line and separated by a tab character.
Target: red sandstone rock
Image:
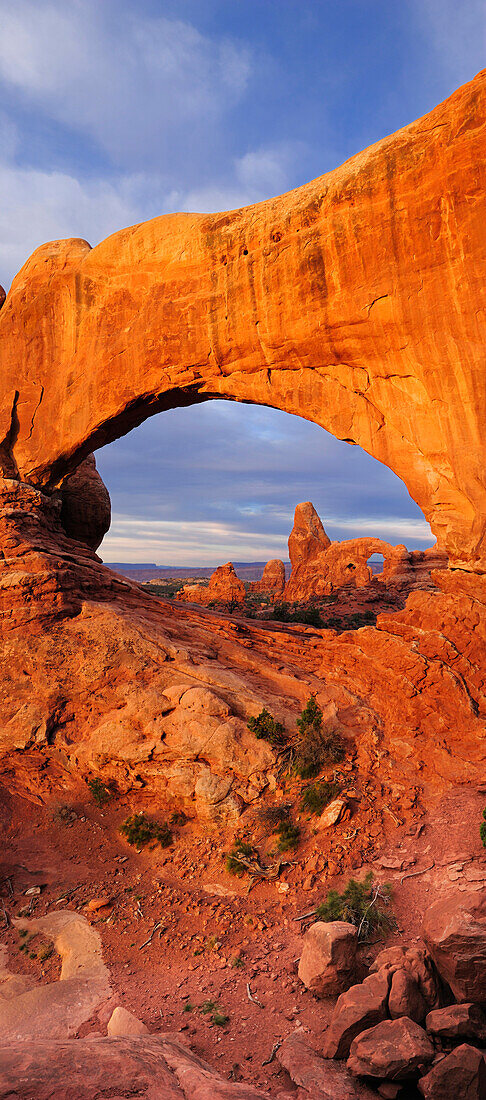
394	1049
461	1074
272	582
454	929
328	961
356	1010
156	1066
123	1024
2	296
85	507
224	587
310	304
321	1078
307	537
464	1021
405	997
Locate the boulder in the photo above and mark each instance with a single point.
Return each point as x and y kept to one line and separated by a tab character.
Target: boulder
405	997
459	1076
393	1049
328	961
124	1025
85	505
464	1021
389	958
454	929
318	1076
358	1009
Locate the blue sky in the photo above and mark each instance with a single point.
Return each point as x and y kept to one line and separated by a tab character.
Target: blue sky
113	111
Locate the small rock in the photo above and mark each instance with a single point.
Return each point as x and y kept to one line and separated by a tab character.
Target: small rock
393	1049
332	813
98	903
459	1076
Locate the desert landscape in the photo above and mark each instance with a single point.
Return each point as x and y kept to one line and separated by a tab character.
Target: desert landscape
242	852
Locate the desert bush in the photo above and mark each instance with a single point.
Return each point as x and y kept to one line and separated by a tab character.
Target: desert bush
482	829
316	746
289	836
361	903
266	728
140	830
216	1015
241	848
178	818
283	613
272	816
317	795
99	791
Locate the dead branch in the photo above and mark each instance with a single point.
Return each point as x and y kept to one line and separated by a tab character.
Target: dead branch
154	929
276	1046
5	915
413	873
254	1000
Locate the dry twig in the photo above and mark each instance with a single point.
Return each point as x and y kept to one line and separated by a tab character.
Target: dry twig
413	873
254	1000
154	929
276	1046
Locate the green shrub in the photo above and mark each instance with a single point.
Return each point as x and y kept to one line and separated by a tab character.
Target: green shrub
482	829
100	793
289	836
211	1009
178	818
317	795
316	746
240	848
283	613
361	904
266	728
140	830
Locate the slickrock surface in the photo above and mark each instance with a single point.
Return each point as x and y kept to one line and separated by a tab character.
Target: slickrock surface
354	301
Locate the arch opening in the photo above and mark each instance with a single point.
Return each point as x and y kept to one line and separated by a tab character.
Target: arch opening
220	481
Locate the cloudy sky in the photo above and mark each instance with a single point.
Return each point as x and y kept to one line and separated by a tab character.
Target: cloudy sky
113	111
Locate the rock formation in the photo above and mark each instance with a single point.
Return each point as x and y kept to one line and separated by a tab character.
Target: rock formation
352	301
320	566
224	587
272	582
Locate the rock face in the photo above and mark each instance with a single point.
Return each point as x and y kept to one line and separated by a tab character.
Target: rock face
321	1079
224	587
307	537
352	301
85	505
454	929
272	582
328	961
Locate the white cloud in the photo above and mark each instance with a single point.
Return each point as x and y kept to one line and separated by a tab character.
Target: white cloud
186	542
129	81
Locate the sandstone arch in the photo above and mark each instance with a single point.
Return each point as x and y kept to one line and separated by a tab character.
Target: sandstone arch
354	301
